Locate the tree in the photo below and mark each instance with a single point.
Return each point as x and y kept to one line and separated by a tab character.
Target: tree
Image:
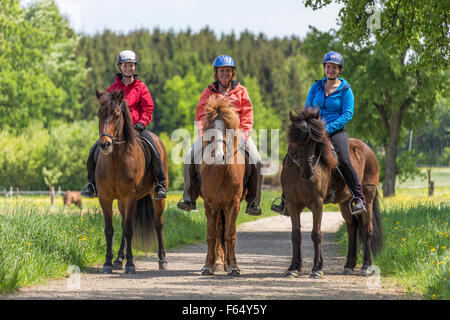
420	27
390	98
40	76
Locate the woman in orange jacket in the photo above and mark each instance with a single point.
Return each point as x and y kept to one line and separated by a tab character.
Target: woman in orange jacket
225	84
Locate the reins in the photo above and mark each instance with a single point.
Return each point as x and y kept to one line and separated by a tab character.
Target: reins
308	159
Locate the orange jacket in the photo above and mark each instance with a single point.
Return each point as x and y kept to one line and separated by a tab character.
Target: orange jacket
240	101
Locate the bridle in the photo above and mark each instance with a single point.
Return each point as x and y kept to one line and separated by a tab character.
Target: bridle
116	132
307	159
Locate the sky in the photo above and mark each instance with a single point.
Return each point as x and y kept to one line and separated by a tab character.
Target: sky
273	18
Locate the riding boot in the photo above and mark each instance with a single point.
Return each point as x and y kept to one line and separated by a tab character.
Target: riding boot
253	197
357	203
188	201
156	167
90	190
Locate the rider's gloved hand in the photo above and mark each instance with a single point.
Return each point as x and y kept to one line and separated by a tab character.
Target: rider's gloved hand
139	127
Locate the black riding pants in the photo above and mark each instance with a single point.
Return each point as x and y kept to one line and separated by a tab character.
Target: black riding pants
156	163
340	142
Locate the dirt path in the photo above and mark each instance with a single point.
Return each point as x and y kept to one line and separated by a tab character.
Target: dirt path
263	253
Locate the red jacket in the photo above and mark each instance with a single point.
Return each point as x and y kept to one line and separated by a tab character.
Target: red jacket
138	98
242	105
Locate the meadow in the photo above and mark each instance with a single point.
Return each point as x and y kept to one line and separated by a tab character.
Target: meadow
37	243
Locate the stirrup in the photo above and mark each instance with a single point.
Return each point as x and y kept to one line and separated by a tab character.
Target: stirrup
183	206
276	207
161	194
89	195
360	210
252	211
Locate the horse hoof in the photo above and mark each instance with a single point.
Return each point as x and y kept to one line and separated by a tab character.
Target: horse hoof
107	269
130	270
207	271
366	272
291	274
163	266
118	265
347	271
316	274
234	271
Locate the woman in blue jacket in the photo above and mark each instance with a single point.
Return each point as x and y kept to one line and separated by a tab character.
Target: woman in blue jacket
333	97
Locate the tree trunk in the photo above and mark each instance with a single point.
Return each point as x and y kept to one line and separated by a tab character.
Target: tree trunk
390	165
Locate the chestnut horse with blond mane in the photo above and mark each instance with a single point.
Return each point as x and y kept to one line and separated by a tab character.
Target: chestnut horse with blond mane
121	174
222	187
309	180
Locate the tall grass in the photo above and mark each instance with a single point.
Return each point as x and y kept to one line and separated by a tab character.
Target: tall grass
36	244
416	246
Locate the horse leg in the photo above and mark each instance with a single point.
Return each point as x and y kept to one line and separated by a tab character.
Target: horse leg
106	205
230	238
220	244
208	268
129	205
159	205
367	230
352	225
316	236
296	238
118	263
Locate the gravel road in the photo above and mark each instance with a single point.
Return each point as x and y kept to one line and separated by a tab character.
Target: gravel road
263	254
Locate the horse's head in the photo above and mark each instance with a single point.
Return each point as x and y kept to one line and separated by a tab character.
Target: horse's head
305	131
221	129
113	120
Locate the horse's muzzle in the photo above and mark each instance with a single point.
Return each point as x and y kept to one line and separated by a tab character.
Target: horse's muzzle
106	147
308	174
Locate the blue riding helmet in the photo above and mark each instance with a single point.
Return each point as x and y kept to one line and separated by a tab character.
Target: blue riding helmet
333	57
224	61
127	56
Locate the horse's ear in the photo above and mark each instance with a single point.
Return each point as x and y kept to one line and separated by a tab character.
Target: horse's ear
316	114
99	94
291	116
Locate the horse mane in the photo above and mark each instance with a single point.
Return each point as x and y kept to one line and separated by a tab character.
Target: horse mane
108	101
220	107
306	125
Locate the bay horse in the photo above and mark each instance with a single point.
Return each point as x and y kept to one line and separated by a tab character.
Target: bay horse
309	180
72	197
121	174
222	184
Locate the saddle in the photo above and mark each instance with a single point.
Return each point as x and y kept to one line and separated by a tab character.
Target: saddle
336	180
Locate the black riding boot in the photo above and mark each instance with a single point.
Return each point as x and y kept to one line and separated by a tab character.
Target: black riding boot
254	191
191	187
357	203
90	190
280	208
157	168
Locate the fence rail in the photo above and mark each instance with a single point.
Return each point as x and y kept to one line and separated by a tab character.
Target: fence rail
16	192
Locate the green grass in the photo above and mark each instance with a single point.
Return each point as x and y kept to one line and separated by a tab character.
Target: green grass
440	176
416	247
36	244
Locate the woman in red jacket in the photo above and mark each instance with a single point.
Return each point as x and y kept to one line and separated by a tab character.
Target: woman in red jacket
140	104
225	84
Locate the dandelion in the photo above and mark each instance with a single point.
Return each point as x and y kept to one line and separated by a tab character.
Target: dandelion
403	239
433	297
443	248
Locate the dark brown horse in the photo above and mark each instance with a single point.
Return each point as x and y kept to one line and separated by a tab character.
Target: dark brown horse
121	174
72	197
222	185
309	180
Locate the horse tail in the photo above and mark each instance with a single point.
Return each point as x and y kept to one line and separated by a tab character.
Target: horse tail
376	243
377	237
144	234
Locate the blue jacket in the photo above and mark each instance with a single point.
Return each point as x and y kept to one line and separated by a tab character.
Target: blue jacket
336	109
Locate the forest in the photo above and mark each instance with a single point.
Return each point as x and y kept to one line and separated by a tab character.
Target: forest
49	75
